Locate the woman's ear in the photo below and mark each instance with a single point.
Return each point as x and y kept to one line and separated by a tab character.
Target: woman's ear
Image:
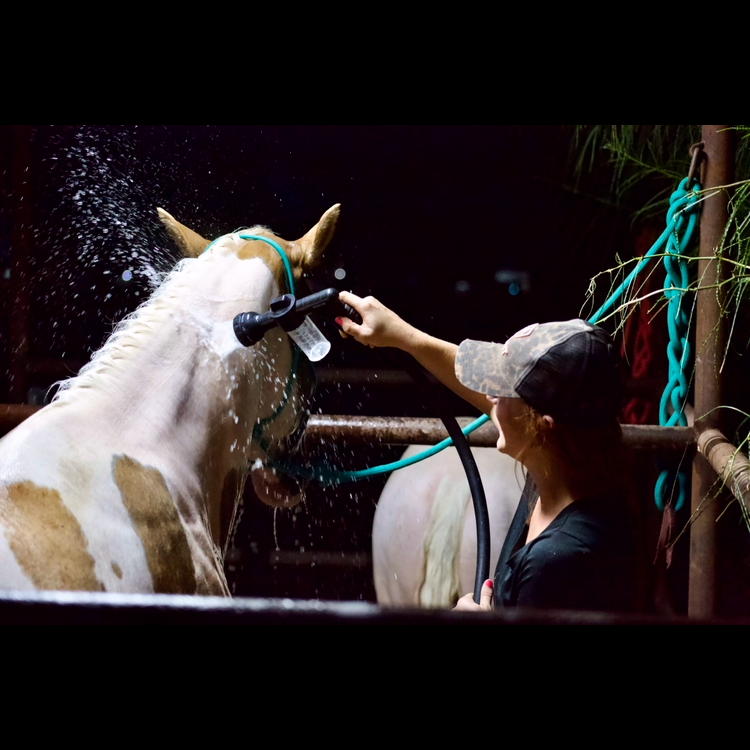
550	421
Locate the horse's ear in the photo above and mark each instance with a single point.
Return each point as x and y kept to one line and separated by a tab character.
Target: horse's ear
312	245
190	242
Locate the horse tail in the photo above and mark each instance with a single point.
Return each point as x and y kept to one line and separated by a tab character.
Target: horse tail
439	579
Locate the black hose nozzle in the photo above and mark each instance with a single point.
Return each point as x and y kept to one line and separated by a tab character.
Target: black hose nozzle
289	313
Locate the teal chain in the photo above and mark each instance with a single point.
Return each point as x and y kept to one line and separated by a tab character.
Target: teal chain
681	202
678	321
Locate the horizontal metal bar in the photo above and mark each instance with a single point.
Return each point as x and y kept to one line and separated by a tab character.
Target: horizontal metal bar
422	431
354	376
416	431
324	559
729	463
11	415
74	608
393	378
389	430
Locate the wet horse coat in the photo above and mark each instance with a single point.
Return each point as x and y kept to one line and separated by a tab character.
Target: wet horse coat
424	544
130	479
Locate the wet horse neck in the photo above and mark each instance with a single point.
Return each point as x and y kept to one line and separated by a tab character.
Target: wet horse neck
180	397
182	389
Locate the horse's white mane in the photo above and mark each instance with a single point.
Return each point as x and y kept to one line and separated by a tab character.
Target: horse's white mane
129	334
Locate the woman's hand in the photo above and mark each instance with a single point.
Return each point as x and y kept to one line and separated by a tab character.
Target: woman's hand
467	603
380	326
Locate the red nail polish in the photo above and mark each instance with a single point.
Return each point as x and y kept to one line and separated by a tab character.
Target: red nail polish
488	584
339	321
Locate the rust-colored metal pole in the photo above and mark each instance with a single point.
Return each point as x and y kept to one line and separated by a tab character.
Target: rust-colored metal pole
352	430
709	350
730	464
11	415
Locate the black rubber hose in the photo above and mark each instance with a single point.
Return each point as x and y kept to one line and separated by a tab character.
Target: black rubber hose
432	394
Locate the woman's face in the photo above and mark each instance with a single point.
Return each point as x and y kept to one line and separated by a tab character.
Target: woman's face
509	416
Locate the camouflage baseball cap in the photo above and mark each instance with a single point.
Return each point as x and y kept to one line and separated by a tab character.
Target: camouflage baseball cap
568	370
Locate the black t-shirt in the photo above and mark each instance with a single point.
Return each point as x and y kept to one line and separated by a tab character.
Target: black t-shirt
583	560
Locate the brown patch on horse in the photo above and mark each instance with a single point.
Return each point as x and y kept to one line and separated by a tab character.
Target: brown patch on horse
303	254
47	540
158	525
308	249
269	255
190	242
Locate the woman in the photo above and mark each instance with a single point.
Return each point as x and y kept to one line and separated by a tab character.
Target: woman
553	391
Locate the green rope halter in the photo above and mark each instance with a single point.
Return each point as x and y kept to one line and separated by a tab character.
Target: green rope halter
263	423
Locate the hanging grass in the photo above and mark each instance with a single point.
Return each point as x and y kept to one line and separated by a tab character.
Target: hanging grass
643	159
644	164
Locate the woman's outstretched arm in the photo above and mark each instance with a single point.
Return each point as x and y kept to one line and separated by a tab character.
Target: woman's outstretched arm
382	327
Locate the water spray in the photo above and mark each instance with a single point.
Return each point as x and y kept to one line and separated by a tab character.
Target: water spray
291	314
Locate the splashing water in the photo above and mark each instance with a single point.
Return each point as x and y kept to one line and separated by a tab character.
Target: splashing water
101	196
98	248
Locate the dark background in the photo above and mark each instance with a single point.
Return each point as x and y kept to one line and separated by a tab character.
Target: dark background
438	221
430	214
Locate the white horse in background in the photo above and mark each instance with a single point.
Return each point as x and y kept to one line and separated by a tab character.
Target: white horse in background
129	481
424	543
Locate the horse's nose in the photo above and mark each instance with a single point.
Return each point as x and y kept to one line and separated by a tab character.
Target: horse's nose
274	489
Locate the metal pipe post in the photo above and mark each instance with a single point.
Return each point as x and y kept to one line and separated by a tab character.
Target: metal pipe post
709	350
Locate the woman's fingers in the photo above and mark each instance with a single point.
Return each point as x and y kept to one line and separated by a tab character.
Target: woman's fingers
380	326
485	597
348	327
358	304
349	298
467	604
367	308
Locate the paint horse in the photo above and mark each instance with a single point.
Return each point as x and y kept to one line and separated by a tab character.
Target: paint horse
424	544
130	480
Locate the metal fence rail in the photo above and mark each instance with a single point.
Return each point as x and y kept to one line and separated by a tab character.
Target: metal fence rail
74	608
